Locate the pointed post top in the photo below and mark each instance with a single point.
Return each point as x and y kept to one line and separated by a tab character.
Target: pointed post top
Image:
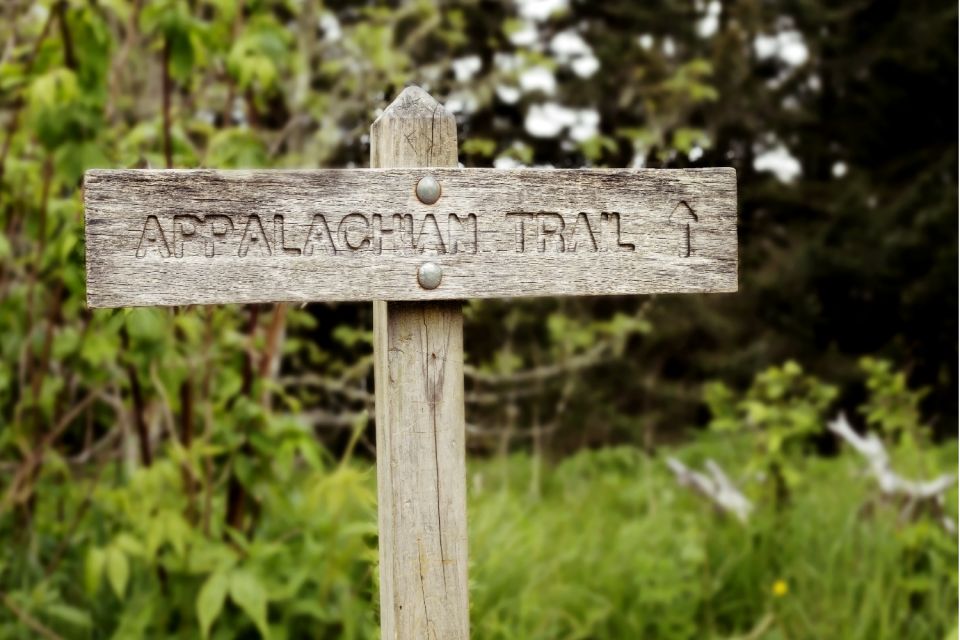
413	102
414	131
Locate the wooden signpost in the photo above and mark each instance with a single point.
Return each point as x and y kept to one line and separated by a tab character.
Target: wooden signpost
414	234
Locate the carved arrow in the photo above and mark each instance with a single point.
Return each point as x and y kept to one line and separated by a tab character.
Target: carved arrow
683	215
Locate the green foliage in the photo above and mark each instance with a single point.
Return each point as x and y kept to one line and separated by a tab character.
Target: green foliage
308	566
893	408
210	600
780	412
253	59
610	547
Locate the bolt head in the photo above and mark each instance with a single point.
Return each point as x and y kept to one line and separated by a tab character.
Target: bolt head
428	190
429	275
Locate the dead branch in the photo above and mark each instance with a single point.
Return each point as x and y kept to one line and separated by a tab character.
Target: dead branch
328	419
16	492
28	620
579	362
915	494
715	487
337	386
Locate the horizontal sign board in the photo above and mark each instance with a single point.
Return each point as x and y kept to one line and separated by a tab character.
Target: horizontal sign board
178	237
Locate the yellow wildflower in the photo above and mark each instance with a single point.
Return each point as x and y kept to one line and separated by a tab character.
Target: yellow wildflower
780	588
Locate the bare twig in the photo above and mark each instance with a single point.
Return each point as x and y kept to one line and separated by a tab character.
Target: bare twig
166	408
95	449
237	28
474	430
295	124
120	60
14	121
272	350
29	621
167	90
328	419
67	538
337	386
585	360
139	417
760	629
236	492
69	59
35	458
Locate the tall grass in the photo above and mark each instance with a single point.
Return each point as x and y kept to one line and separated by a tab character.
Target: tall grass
603	544
609	547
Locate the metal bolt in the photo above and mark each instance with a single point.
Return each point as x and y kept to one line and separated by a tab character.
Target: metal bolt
428	190
429	275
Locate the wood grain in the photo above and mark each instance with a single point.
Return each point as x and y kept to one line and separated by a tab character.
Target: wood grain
209	237
421	438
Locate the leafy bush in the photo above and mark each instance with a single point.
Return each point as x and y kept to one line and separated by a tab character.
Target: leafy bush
892	408
130	561
780	412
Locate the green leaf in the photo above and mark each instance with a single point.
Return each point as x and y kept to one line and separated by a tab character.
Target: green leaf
351	337
210	601
70	615
118	570
98	348
73	157
65	342
256	55
93	570
484	147
685	138
236	147
53	89
147	325
137	616
248	594
129	544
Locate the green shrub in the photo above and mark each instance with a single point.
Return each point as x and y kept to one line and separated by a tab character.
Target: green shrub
779	413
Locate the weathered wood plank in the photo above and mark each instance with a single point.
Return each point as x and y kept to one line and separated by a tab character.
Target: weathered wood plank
208	237
421	459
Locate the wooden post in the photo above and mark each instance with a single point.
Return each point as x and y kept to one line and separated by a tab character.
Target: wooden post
418	372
